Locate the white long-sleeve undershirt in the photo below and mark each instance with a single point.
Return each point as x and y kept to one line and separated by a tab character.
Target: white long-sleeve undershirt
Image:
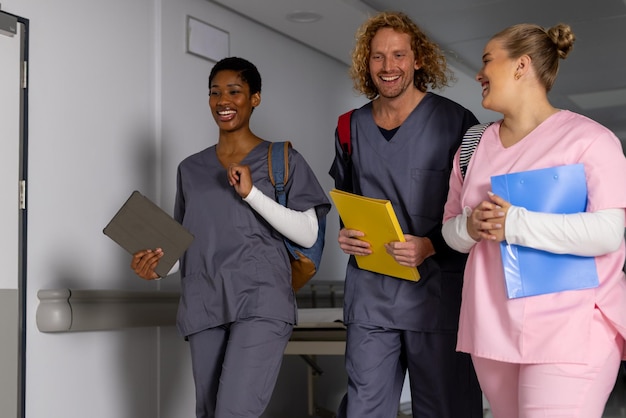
586	234
296	226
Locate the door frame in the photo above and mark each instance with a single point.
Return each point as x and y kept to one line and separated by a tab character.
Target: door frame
23	26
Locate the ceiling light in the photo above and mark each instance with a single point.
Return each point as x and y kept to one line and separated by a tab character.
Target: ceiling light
304	17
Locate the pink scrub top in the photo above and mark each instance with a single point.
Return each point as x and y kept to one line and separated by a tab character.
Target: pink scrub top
553	327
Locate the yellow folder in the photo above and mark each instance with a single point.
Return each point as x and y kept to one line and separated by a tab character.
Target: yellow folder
377	219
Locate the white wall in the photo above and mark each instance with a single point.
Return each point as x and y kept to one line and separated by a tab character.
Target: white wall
115	104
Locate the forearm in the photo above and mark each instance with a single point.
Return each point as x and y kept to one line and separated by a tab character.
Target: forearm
299	227
585	234
455	234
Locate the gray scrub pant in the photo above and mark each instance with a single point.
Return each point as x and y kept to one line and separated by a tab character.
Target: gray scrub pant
443	381
235	366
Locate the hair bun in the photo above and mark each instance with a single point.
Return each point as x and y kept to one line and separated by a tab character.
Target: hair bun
563	37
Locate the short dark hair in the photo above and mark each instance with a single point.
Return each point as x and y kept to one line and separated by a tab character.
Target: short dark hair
247	71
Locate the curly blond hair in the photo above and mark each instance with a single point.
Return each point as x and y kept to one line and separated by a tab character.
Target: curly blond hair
433	71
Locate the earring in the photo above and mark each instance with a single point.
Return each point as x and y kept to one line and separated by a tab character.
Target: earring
517	76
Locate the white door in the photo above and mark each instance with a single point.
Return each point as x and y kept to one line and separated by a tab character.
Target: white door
12	96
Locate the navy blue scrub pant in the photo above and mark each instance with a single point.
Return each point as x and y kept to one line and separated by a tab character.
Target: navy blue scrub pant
443	381
235	366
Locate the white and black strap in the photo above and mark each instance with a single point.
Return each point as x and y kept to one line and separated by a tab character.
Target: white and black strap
469	144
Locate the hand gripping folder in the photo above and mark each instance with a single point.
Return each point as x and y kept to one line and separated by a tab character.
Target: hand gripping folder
528	271
377	219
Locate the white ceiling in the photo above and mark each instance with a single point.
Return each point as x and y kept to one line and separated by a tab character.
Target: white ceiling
592	80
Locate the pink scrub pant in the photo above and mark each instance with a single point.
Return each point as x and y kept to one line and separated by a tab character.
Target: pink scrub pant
555	389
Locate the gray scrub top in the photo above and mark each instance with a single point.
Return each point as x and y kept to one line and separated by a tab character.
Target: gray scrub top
237	266
412	170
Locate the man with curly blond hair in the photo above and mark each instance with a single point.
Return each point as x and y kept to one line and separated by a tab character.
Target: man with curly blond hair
402	146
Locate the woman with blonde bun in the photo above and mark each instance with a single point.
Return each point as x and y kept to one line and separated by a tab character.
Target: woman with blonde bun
555	354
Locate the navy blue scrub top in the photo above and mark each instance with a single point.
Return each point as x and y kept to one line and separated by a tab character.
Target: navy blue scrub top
412	170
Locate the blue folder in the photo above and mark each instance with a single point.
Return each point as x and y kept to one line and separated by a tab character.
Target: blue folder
528	271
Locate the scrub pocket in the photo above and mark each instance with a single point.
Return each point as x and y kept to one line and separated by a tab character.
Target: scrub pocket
429	191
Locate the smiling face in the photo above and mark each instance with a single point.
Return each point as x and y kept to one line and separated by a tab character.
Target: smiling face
392	63
230	100
497	77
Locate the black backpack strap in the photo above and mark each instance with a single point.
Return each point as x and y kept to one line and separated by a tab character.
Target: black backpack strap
470	143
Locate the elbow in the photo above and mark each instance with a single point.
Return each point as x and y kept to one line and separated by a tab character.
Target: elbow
452	232
308	242
612	242
611	231
307	237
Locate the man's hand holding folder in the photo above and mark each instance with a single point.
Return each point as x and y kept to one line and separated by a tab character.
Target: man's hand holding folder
377	220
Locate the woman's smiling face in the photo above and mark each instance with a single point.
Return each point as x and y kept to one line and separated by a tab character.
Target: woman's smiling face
230	100
497	76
